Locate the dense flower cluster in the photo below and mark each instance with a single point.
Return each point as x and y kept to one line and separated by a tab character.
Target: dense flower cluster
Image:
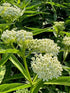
9	12
46	67
16	36
22	91
59	26
22	36
43	46
66	41
9	36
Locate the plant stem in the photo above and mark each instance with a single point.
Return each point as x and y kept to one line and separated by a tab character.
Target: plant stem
29	53
25	64
35	78
18	2
26	67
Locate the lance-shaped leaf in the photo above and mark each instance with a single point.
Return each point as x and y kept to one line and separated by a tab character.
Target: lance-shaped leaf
2	73
9	51
36	86
64	80
4	59
6	88
16	62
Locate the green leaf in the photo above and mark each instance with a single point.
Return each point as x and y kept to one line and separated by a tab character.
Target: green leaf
32	13
33	6
6	88
5	25
35	12
9	51
37	86
66	68
36	31
16	76
64	80
16	62
2	73
4	59
18	2
65	54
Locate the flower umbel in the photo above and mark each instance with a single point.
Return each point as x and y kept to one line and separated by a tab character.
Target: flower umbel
59	26
18	37
9	12
43	46
46	67
22	36
9	36
66	41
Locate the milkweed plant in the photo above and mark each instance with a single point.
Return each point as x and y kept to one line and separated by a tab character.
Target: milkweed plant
44	52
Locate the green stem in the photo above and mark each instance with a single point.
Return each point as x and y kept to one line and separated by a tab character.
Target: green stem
25	64
26	67
55	15
12	45
29	53
18	2
35	78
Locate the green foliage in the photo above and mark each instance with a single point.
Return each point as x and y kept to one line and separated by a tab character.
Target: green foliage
22	91
15	61
5	88
2	72
65	80
45	19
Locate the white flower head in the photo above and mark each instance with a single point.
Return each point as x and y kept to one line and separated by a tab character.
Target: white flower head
6	4
16	36
9	36
23	36
9	12
66	41
59	26
43	46
46	67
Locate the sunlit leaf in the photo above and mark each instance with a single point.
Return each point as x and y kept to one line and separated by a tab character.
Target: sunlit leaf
64	80
2	72
6	88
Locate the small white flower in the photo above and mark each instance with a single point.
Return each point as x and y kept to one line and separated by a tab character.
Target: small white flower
22	36
59	26
43	46
66	41
9	36
9	12
46	67
6	4
18	37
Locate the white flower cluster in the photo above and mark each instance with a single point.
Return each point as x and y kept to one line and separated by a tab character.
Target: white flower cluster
46	67
16	36
6	4
66	41
9	12
9	36
22	91
43	46
59	26
22	36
